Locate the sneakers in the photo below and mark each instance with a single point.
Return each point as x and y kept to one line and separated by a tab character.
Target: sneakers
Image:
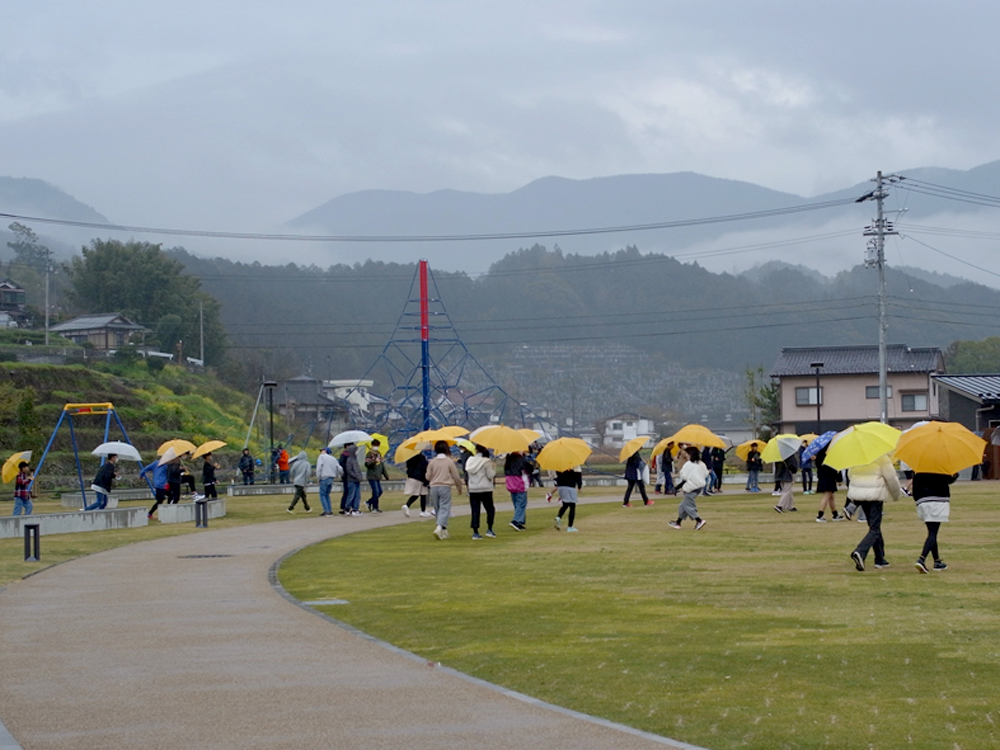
626	505
940	565
776	494
921	566
432	512
700	525
368	504
883	564
571	529
490	534
406	510
820	519
516	526
476	536
556	523
650	502
289	510
847	514
673	524
309	510
793	510
837	518
356	513
439	533
778	509
859	561
548	497
425	514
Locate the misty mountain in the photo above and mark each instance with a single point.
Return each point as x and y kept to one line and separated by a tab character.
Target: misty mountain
30	197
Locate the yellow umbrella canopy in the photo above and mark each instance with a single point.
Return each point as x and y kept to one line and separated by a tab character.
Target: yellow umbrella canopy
530	435
940	448
500	438
696	434
10	469
809	437
662	446
179	445
861	444
453	431
780	447
743	449
208	447
633	446
563	454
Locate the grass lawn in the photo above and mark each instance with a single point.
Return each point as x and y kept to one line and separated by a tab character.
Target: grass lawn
755	632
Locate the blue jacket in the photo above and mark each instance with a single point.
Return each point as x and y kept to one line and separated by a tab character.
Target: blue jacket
159	473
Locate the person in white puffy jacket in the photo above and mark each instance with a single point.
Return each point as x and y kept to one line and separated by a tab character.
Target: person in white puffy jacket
481	473
691	479
869	487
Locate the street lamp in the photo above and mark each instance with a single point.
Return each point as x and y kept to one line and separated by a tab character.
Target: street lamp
270	385
818	366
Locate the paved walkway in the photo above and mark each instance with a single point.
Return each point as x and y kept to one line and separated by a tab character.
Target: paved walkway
154	645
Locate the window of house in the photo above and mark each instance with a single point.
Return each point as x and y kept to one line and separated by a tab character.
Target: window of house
616	425
871	391
914	402
808	396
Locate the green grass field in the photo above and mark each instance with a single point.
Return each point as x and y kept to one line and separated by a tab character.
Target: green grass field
755	632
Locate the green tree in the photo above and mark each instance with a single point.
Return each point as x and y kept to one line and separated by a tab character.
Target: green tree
142	282
27	249
972	357
763	400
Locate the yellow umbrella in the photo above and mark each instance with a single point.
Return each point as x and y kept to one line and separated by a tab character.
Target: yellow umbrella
780	447
662	446
420	442
179	445
208	447
383	442
743	449
633	446
452	431
467	444
10	469
809	436
940	448
500	438
861	444
563	454
530	435
696	434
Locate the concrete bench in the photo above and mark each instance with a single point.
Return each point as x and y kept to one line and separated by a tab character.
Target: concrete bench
11	527
184	512
75	500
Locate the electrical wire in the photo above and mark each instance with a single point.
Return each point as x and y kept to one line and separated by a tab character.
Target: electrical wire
725	218
953	257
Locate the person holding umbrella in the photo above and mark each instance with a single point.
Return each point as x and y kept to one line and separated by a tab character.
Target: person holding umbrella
827	479
442	475
515	469
102	483
569	483
22	490
932	494
754	465
870	487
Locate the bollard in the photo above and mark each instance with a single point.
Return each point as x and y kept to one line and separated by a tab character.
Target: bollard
201	514
31	541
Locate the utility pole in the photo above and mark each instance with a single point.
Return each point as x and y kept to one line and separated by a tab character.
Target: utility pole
201	330
48	270
875	256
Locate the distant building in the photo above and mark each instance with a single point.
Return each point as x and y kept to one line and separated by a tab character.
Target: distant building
849	386
102	331
12	303
974	401
621	428
304	398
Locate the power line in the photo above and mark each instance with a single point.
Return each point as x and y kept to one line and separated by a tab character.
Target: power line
726	218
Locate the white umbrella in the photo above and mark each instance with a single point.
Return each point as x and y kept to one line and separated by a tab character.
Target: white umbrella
351	436
167	457
122	450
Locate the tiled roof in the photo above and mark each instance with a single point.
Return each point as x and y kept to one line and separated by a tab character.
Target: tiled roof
856	360
101	320
983	388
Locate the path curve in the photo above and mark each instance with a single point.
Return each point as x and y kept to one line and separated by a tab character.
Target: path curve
157	645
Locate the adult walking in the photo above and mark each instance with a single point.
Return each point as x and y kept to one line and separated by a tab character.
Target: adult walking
22	489
103	482
754	465
481	474
416	484
208	481
246	466
806	466
515	469
784	475
352	481
871	486
633	475
827	479
298	474
283	465
375	472
932	494
442	475
691	480
569	483
327	472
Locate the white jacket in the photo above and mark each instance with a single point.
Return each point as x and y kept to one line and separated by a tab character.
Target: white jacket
875	482
693	474
481	473
327	467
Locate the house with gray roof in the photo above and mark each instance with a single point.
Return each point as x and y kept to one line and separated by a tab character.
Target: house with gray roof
848	386
103	331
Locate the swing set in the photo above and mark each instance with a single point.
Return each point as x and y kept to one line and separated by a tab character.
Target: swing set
79	410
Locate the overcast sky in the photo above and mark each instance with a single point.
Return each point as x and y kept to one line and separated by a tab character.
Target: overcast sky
242	115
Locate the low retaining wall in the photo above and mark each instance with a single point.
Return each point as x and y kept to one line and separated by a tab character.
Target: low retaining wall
75	500
247	490
184	512
11	527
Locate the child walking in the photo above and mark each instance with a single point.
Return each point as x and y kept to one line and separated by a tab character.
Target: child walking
568	483
692	478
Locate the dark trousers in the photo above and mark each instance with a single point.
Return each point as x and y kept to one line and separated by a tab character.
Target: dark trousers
572	512
930	544
247	477
210	491
173	493
485	499
300	494
376	485
632	483
873	539
807	480
161	495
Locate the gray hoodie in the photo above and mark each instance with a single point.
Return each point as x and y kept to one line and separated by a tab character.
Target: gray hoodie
298	469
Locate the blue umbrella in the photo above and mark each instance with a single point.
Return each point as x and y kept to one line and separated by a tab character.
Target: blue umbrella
818	444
